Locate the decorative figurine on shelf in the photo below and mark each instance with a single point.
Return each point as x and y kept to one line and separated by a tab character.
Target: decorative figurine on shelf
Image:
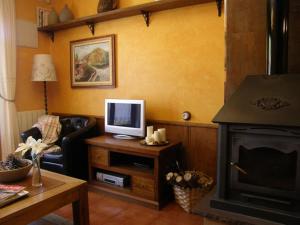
107	5
65	14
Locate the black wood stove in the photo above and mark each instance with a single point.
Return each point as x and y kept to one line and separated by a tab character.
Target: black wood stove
259	149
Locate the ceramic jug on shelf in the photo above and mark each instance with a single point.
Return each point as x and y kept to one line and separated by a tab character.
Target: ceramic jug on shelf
66	14
52	17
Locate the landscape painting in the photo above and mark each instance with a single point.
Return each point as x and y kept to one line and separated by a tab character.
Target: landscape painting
92	62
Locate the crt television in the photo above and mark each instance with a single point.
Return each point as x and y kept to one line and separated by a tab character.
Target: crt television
125	117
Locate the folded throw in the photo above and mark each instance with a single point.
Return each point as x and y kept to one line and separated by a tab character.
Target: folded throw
50	128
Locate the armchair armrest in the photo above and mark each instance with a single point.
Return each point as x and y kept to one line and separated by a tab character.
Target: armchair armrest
73	145
34	132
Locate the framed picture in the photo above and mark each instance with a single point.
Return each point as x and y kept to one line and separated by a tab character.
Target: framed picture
93	62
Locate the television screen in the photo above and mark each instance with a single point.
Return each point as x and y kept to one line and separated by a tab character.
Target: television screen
125	117
123	114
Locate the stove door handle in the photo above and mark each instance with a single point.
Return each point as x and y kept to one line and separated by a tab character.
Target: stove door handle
235	165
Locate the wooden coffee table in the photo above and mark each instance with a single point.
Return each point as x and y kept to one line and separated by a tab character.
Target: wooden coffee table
57	190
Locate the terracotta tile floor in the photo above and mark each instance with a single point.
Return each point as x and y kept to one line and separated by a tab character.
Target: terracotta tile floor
107	210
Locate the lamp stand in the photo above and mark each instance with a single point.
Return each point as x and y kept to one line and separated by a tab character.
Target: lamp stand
45	97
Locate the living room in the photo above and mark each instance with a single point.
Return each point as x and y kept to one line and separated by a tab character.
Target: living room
184	59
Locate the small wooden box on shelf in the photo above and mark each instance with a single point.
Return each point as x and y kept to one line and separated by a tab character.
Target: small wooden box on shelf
146	167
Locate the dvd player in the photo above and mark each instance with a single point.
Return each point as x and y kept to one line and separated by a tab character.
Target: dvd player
116	179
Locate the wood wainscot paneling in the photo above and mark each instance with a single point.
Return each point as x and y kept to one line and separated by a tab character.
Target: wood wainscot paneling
201	151
199	142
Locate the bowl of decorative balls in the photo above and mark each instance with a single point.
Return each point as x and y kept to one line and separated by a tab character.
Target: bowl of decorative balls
14	168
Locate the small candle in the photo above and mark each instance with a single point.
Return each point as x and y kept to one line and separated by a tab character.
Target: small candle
149	140
162	134
149	131
156	137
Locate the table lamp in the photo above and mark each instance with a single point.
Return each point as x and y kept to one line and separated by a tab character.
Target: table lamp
43	70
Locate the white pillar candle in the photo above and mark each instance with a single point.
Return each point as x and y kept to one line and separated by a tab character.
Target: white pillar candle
162	134
149	131
156	137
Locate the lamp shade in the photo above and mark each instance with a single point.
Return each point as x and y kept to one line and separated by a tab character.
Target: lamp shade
43	68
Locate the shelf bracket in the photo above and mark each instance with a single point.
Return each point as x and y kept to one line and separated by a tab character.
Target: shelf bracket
146	15
91	26
51	35
219	5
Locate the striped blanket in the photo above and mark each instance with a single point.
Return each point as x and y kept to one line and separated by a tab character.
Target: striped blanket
50	128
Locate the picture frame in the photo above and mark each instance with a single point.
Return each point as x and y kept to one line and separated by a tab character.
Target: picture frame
92	62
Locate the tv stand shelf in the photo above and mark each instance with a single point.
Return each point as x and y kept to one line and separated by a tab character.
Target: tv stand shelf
146	167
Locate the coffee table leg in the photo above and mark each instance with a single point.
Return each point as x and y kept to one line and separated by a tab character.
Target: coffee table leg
81	208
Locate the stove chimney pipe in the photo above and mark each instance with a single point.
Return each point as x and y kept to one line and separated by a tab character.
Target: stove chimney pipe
277	36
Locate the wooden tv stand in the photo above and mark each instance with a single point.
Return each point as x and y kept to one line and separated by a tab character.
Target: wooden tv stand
146	167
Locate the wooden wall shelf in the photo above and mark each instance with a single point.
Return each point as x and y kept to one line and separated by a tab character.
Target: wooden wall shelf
144	9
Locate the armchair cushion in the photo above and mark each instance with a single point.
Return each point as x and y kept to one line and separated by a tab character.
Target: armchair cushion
54	167
54	157
67	127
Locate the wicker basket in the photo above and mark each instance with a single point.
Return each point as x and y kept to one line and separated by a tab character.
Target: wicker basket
187	197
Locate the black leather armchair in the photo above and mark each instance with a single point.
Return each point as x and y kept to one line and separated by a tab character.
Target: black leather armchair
72	159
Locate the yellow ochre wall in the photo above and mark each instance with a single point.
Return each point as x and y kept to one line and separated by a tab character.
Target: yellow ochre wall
29	95
175	64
